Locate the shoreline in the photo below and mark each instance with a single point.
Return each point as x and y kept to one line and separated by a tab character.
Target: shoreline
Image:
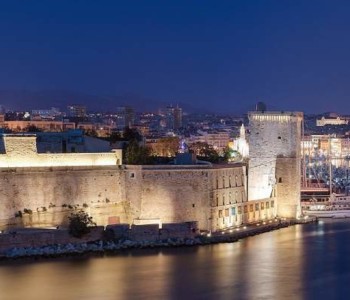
101	247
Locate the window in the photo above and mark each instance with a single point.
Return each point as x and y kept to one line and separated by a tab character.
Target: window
132	175
257	206
233	211
193	205
245	209
239	210
251	207
227	212
272	203
280	180
262	205
220	213
267	205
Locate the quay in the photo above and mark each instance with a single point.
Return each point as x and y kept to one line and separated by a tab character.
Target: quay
55	243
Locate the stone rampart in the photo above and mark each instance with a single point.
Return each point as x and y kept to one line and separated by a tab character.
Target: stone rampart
39	238
152	232
49	194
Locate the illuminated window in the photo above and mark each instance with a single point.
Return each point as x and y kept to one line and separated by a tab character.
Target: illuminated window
233	211
251	207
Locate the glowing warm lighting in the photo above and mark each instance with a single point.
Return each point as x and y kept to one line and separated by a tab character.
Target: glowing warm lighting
245	227
209	235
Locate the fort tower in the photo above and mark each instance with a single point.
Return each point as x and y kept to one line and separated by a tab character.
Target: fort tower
275	158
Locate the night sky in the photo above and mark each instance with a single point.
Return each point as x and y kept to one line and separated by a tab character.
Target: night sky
220	55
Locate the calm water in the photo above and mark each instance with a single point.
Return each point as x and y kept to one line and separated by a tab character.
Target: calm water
300	262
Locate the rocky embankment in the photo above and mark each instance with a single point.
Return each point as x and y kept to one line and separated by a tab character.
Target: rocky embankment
108	246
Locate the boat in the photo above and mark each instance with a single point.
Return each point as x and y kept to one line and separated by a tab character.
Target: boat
337	206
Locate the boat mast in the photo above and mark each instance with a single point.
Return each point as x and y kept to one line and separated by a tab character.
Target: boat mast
330	165
305	144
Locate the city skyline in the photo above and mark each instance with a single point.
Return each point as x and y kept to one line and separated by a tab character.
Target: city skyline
222	57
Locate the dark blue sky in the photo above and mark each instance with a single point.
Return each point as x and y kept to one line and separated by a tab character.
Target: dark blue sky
221	55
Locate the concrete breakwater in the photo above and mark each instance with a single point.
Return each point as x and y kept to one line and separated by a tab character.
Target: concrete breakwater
44	243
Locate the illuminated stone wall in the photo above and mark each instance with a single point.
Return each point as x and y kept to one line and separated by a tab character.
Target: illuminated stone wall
275	135
20	151
51	186
215	197
52	193
288	187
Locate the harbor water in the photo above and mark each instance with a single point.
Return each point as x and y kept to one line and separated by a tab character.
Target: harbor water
310	261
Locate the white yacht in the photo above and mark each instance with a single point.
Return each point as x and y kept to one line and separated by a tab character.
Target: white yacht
337	206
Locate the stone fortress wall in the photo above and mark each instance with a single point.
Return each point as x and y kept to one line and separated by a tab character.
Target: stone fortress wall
214	197
274	159
46	190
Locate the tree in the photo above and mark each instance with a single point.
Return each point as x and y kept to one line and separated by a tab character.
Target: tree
114	137
205	151
136	154
32	128
131	134
79	224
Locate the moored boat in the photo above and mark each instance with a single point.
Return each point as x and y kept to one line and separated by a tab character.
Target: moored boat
337	206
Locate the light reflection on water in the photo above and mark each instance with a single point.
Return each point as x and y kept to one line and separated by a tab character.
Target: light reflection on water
301	262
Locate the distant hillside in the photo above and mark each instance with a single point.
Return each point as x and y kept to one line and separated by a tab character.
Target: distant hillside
27	100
